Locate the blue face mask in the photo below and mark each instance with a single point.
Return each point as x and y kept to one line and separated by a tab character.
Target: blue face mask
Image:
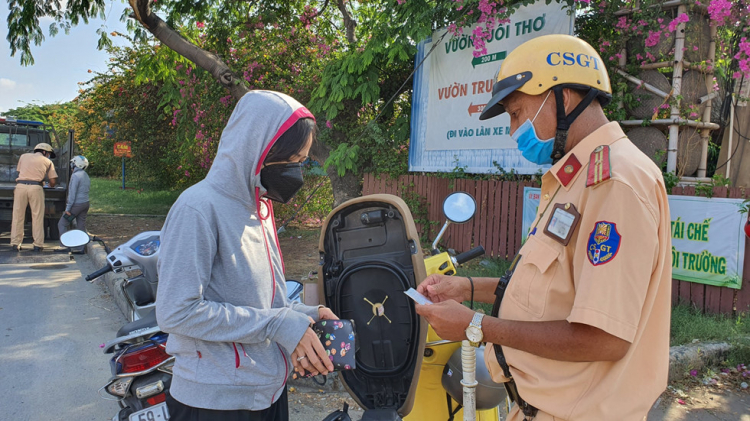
532	148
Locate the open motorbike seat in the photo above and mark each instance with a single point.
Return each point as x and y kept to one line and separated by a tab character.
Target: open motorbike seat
147	322
370	254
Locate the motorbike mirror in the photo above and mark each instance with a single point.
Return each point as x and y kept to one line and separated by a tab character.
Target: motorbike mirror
459	207
75	238
294	290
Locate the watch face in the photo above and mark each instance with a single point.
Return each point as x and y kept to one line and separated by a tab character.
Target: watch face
474	334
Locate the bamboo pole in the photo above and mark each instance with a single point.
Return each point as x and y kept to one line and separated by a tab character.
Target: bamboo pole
674	129
666	5
672	122
659	65
622	62
706	132
644	85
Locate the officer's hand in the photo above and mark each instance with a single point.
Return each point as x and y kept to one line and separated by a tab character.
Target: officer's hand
439	288
449	319
67	213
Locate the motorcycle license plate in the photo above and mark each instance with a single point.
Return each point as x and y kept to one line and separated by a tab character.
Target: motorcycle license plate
157	412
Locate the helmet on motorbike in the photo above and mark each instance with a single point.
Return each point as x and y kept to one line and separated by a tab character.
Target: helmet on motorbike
80	161
489	393
45	147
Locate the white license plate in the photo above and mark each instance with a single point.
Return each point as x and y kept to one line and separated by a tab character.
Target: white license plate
157	412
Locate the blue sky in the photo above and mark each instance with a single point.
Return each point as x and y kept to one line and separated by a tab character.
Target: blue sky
61	61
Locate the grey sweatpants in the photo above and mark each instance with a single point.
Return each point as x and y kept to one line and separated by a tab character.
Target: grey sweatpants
80	210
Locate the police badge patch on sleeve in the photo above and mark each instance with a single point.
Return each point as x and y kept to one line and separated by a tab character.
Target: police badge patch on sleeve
604	243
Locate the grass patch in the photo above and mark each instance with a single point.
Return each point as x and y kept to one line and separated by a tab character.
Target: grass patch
107	196
299	232
483	268
689	324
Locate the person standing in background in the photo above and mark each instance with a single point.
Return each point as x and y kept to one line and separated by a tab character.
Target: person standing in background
77	206
32	169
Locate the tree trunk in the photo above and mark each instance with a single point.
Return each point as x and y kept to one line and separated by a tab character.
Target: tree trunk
205	60
344	188
349	22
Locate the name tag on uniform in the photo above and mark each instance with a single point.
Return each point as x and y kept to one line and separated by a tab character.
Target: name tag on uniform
562	223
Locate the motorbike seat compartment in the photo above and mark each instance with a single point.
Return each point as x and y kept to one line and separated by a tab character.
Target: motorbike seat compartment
147	322
370	255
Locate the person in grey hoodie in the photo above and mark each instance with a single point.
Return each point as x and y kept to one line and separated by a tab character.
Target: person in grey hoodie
77	205
222	291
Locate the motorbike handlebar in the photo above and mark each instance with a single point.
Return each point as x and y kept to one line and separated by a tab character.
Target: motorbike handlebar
98	273
471	254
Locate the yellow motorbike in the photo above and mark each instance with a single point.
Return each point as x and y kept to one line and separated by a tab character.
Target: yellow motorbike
438	395
370	254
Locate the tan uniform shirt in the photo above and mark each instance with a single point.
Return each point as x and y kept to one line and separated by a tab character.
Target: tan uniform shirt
614	274
35	167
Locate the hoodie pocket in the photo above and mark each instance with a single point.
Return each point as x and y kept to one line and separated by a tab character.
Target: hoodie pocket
259	364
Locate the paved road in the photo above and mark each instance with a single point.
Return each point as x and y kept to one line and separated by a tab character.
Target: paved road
51	325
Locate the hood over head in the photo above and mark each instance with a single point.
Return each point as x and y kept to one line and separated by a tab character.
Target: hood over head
257	121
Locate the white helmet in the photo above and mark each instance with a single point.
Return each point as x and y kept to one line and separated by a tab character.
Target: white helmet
80	161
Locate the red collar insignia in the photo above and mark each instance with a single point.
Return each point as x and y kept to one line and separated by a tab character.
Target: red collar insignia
568	171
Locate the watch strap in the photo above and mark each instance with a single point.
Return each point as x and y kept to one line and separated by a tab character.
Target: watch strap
477	320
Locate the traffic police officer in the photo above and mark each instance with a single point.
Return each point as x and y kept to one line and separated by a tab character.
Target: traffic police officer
33	169
583	328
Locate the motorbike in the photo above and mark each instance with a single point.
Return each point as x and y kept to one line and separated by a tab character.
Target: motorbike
140	366
370	255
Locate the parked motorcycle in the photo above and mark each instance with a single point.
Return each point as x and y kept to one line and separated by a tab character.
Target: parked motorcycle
141	368
370	255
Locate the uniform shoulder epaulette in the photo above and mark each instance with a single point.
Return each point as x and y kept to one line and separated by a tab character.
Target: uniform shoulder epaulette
599	166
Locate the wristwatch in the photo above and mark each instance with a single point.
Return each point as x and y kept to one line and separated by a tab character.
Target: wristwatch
474	331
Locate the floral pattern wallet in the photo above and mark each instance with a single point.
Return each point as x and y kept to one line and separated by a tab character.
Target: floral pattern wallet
339	340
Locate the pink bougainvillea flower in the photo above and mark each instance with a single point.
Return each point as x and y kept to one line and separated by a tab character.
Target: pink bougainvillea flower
653	38
719	10
682	18
329	124
200	25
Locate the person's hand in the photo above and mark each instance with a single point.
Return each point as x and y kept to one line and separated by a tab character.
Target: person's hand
449	319
310	355
439	288
325	313
67	213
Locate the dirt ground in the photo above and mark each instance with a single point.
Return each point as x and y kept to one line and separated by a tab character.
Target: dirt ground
298	245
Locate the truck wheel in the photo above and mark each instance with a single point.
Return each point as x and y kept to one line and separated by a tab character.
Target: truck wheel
52	232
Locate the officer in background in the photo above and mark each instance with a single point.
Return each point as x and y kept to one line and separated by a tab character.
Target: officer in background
583	326
33	168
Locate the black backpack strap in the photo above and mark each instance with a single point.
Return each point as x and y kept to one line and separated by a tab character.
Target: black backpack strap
502	286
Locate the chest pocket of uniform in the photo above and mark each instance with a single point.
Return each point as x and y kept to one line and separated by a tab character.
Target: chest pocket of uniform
534	276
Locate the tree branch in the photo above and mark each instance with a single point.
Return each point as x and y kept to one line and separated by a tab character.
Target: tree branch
204	59
321	10
349	22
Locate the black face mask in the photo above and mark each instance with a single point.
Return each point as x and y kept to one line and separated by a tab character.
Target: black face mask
282	181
